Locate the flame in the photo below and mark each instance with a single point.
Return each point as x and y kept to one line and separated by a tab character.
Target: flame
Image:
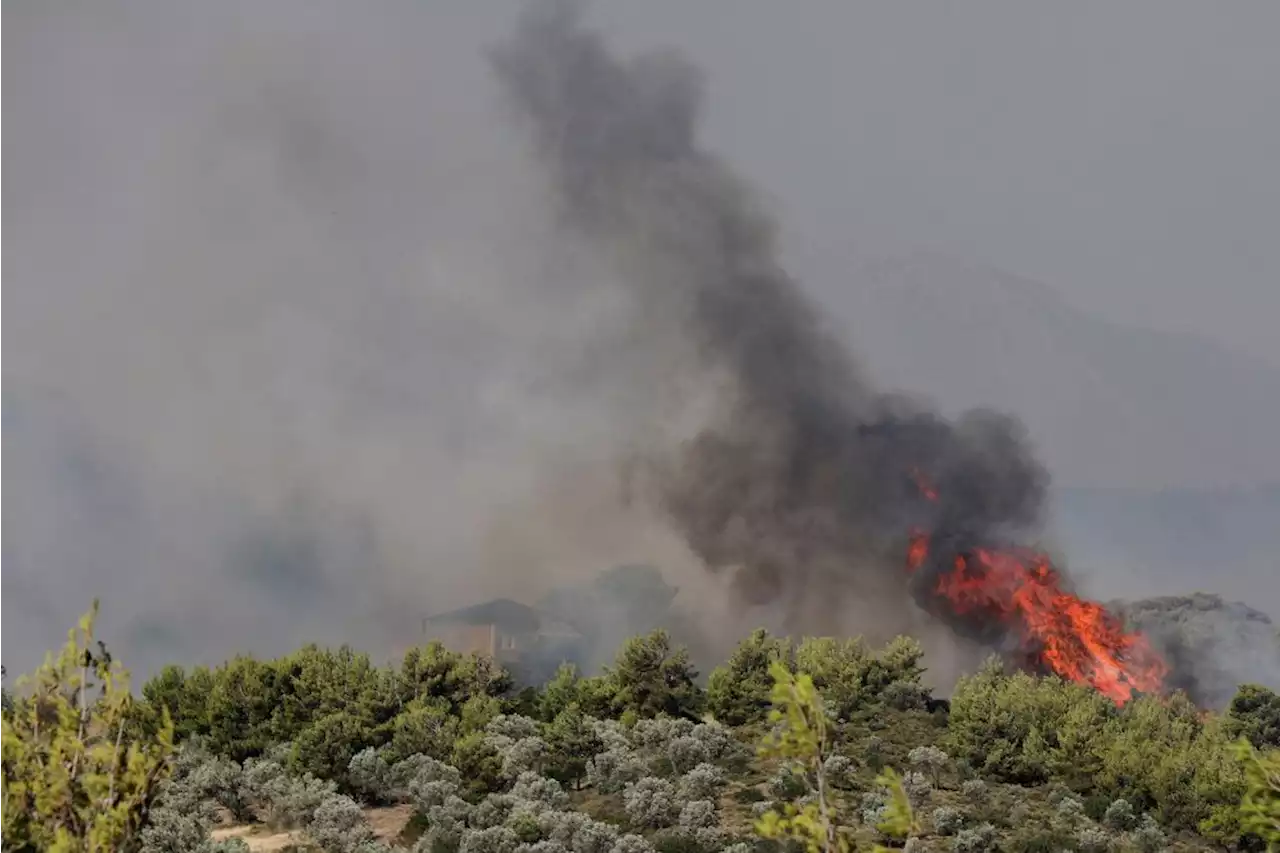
1077	639
917	549
922	483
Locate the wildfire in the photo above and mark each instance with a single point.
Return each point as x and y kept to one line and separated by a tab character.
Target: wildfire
1077	639
922	483
917	549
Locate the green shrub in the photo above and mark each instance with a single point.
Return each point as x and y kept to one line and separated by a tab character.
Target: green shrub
1254	714
675	841
598	697
478	763
334	719
738	691
72	780
424	727
1161	755
855	679
1260	804
316	683
559	693
1022	729
185	696
325	748
434	671
241	705
571	741
652	677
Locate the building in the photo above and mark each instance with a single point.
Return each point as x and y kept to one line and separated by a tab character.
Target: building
527	641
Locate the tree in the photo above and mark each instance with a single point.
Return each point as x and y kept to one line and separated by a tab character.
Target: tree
738	692
653	678
435	671
1163	755
241	707
72	781
424	727
1260	806
598	696
1254	714
1023	729
572	741
801	740
6	699
315	683
559	693
851	676
325	748
478	763
185	696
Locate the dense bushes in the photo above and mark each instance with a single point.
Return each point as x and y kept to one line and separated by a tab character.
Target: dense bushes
1161	756
738	691
651	677
624	762
1026	730
1155	762
331	704
1254	714
854	679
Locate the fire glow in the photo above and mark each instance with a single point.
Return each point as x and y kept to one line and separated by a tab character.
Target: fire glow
1078	640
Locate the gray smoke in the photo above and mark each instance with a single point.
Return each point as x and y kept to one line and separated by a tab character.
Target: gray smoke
295	353
800	483
1212	646
287	357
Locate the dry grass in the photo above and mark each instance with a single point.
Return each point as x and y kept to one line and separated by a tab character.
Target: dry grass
387	824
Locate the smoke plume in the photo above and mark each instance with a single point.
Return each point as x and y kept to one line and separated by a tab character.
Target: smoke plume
1213	646
295	352
805	478
288	356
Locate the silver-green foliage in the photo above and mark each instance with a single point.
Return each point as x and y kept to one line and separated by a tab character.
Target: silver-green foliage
338	825
650	803
947	820
975	840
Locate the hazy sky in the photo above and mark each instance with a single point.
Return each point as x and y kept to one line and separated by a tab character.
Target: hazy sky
1124	153
279	283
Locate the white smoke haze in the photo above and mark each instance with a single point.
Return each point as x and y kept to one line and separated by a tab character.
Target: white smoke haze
300	349
291	354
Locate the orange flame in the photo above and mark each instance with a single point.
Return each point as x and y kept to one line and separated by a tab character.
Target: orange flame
1077	639
917	549
922	483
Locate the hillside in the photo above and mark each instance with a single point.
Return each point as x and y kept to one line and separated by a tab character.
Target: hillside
1108	405
323	751
1136	542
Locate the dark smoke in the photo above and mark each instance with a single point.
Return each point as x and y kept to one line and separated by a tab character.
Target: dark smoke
1212	645
801	484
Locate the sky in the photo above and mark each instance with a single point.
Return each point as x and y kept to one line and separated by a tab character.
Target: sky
1122	153
283	303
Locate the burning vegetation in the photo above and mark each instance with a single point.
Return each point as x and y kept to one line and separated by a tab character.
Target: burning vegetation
1020	591
795	486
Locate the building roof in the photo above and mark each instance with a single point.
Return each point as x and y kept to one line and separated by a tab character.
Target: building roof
511	616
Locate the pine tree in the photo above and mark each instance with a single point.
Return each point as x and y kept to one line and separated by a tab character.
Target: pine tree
75	776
